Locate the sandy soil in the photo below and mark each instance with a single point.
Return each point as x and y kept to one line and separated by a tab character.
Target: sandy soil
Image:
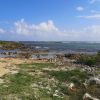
7	64
3	70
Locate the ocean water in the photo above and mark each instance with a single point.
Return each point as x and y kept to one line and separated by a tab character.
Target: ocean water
65	47
54	48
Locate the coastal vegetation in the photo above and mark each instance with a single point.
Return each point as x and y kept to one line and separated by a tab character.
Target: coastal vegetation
71	76
63	77
89	60
42	80
10	45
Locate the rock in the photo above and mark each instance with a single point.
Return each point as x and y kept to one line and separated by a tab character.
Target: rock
35	85
85	85
56	91
14	72
1	81
94	80
72	87
56	95
88	97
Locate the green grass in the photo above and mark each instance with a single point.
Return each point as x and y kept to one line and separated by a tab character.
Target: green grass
16	83
8	45
36	65
72	75
3	61
19	85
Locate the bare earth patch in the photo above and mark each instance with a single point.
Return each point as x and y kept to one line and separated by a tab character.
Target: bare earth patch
7	64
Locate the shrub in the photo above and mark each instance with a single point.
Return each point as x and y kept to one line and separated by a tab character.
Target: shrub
87	60
72	75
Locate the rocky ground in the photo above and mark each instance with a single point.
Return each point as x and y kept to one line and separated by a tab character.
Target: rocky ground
28	79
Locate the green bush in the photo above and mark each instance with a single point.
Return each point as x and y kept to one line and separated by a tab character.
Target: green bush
87	60
72	75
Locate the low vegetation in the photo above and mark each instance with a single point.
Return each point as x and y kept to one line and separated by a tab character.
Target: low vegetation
18	86
47	81
9	45
37	65
89	60
71	76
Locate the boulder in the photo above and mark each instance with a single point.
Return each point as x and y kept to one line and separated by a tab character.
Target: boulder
72	87
94	81
88	97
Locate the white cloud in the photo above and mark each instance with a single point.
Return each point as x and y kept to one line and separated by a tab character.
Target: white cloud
24	28
93	16
95	29
92	32
47	31
88	33
93	1
2	30
44	30
79	8
95	12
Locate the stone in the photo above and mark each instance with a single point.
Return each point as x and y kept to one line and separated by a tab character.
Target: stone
88	97
94	80
72	87
1	81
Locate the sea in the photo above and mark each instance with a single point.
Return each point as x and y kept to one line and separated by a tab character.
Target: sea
59	47
64	46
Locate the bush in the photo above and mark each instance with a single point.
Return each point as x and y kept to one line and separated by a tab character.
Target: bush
71	76
89	60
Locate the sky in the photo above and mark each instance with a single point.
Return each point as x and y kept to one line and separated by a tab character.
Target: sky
50	20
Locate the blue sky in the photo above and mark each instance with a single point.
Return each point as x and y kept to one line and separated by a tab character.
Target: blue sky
50	20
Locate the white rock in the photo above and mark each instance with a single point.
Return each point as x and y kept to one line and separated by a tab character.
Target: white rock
1	81
56	95
97	80
88	96
14	72
56	91
34	85
95	99
71	86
